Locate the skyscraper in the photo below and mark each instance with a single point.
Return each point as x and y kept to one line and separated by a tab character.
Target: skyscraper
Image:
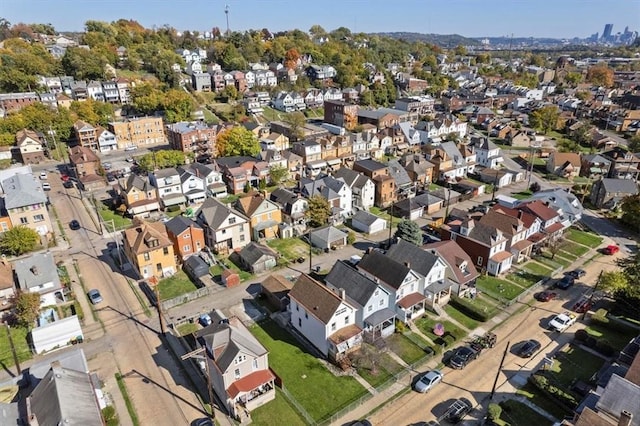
608	28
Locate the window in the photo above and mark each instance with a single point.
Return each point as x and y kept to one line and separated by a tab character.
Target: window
333	327
146	256
381	303
346	319
165	250
24	220
4	226
186	248
369	308
159	267
255	364
479	262
185	236
38	218
232	220
242	237
237	373
306	315
297	307
240	359
376	293
224	231
299	322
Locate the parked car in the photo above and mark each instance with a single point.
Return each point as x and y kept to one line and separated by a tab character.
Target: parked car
94	296
566	282
43	175
106	166
74	225
204	320
46	186
131	148
427	381
462	356
456	411
581	306
67	184
577	273
545	296
528	348
562	321
611	249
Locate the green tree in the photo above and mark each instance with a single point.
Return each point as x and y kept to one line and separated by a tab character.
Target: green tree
582	135
634	143
18	240
161	160
545	118
146	98
318	211
178	105
351	237
237	141
573	78
613	282
409	231
460	50
630	208
296	121
278	174
27	307
631	268
84	64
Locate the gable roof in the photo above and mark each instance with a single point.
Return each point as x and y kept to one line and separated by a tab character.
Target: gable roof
253	252
22	190
619	395
561	158
365	217
179	224
213	212
509	225
398	173
138	237
329	234
539	209
249	205
24	134
316	298
80	154
356	286
413	256
384	268
370	165
624	186
36	270
139	182
455	257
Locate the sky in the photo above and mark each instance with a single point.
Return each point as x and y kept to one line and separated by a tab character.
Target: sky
469	18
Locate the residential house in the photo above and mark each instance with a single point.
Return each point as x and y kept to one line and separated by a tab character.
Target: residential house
363	189
519	139
428	266
238	365
594	166
95	91
86	135
485	244
275	288
551	227
26	203
49	99
404	286
487	153
420	170
368	223
340	113
138	195
328	237
563	202
138	132
149	249
12	102
193	137
385	184
169	186
31	146
186	235
7	285
370	299
418	104
309	150
514	230
460	268
212	177
284	102
86	167
264	216
275	141
565	164
607	193
201	81
624	164
429	202
257	258
335	191
38	273
408	209
79	90
496	177
63	101
110	90
106	140
320	72
225	228
293	206
405	187
123	90
193	186
324	318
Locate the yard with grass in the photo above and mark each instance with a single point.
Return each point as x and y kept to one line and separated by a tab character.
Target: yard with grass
376	211
462	318
585	238
217	269
187	328
175	286
497	288
405	348
452	333
290	248
19	337
524	278
303	375
278	411
521	195
535	396
385	368
618	338
571	364
536	268
571	250
556	262
109	215
515	413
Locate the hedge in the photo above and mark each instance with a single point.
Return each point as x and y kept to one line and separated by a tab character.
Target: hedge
471	310
565	400
601	345
601	317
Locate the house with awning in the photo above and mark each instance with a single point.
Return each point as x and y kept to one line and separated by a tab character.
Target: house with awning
169	187
138	195
514	230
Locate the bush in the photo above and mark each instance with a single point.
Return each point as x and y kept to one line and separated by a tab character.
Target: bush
400	327
591	342
109	415
351	237
604	347
581	335
470	310
494	411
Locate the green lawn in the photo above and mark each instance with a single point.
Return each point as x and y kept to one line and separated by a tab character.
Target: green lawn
617	339
175	286
290	248
524	278
216	270
453	333
187	328
109	215
515	413
556	262
521	195
496	287
536	268
573	250
534	395
319	391
585	238
405	348
19	337
573	364
386	367
278	411
376	211
462	318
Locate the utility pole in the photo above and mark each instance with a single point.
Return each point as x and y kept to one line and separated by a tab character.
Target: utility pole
158	304
198	353
13	350
226	12
390	225
495	382
595	287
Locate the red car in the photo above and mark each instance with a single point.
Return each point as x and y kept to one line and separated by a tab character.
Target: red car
582	306
611	249
64	178
545	296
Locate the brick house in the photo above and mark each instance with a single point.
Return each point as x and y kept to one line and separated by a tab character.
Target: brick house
386	193
186	235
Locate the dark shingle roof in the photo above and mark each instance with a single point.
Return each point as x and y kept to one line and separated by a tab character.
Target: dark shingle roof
179	224
624	186
316	298
419	260
384	268
253	252
356	286
365	217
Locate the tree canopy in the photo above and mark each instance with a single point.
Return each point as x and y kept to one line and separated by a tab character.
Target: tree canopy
27	307
409	231
318	211
19	240
237	141
545	118
161	159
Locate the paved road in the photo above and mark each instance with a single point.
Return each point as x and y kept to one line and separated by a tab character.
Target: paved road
476	380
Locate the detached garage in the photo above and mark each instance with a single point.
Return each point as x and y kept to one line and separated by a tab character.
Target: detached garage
329	237
57	334
368	223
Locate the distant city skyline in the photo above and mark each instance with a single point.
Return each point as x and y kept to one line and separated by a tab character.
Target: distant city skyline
490	18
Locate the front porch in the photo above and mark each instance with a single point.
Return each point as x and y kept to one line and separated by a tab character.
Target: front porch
251	391
379	324
499	263
410	307
521	251
344	341
439	292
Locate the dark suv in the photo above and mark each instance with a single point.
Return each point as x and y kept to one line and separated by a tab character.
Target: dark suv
462	356
456	412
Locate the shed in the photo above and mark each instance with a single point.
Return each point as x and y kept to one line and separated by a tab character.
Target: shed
230	278
257	258
57	334
408	209
368	223
198	270
275	289
328	237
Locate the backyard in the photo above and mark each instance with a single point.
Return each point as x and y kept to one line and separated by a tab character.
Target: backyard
523	278
217	269
459	316
452	333
402	346
290	248
111	218
303	375
537	268
618	338
176	285
571	250
278	411
515	413
19	337
585	238
498	288
385	366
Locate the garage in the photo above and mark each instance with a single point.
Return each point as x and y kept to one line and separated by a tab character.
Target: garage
368	223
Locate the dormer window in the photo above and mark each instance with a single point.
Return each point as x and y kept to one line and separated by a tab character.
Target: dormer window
168	180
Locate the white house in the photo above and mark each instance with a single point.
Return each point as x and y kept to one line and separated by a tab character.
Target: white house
167	183
487	153
324	318
225	228
106	140
193	186
362	188
284	102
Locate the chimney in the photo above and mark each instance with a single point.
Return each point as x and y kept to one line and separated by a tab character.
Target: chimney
34	270
407	264
342	293
625	418
520	214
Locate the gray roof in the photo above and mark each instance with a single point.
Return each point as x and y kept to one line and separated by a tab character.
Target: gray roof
65	396
196	266
234	161
356	286
226	340
559	198
329	234
386	269
366	218
453	152
164	173
179	224
253	252
427	199
620	394
213	213
139	182
22	190
399	173
370	165
624	186
484	233
283	197
36	270
419	260
187	126
71	360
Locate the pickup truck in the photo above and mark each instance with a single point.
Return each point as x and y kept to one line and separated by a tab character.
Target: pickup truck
562	321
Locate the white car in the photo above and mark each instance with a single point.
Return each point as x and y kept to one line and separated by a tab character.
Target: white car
562	321
43	175
131	148
427	381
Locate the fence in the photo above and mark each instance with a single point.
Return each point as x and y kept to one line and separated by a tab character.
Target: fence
299	408
187	297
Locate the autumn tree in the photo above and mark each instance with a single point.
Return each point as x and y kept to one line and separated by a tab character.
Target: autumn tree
84	64
291	58
27	307
93	112
18	240
582	135
545	118
278	174
318	211
237	141
600	75
410	232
